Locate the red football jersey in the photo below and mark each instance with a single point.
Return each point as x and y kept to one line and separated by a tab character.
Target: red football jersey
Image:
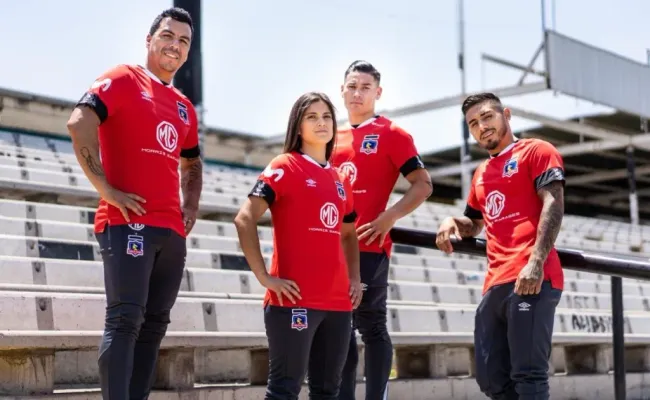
146	125
504	194
372	157
309	203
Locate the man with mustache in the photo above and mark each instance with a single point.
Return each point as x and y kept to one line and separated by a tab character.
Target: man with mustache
518	196
143	128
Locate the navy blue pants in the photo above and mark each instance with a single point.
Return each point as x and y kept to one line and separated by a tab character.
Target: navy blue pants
370	318
143	269
304	341
512	339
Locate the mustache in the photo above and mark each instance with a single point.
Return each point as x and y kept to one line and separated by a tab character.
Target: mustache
487	132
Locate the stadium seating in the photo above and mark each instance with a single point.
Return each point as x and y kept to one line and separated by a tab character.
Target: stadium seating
52	302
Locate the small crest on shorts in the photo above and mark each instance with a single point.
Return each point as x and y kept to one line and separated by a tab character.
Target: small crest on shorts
369	144
299	319
135	245
182	112
340	190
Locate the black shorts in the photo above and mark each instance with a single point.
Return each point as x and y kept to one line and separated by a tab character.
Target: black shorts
306	341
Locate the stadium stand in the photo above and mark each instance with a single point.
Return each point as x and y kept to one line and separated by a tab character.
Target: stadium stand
52	303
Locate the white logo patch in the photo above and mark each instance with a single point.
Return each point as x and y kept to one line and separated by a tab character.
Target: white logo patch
350	170
167	136
269	172
104	84
136	227
329	215
494	204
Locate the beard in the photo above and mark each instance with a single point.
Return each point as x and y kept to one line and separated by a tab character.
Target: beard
493	142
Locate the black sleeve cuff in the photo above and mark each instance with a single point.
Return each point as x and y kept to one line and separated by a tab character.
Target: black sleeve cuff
411	165
194	152
350	217
548	176
472	213
264	191
96	104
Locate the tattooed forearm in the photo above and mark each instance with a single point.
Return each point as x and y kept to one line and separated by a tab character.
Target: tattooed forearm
191	182
468	227
550	221
93	165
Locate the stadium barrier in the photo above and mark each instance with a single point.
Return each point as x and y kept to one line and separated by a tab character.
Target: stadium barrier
35	362
583	356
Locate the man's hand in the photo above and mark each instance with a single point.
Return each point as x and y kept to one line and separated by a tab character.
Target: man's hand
189	218
380	227
124	202
447	228
530	279
281	287
356	292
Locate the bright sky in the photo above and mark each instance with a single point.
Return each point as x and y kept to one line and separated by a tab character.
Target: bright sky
260	55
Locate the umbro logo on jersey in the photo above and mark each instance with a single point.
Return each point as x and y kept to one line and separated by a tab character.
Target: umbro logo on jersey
311	183
146	96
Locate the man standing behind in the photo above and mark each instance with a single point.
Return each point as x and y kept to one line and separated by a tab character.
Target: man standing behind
372	152
143	128
518	195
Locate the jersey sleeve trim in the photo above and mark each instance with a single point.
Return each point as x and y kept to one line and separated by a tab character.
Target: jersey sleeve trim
472	213
351	217
193	152
411	165
93	101
549	176
263	191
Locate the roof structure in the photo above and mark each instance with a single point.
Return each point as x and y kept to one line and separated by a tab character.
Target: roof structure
596	167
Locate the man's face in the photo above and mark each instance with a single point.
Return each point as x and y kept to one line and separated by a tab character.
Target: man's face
169	45
360	91
488	124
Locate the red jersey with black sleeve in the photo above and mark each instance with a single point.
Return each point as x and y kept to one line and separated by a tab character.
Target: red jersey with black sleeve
309	203
146	126
372	156
504	194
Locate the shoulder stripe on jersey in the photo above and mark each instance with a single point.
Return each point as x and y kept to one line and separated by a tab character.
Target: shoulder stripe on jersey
472	213
548	176
194	152
411	165
96	104
350	217
263	191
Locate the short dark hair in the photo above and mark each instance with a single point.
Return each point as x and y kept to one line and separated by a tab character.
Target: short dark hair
479	98
175	13
293	140
365	67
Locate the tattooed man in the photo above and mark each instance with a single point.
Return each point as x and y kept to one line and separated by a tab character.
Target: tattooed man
518	196
131	131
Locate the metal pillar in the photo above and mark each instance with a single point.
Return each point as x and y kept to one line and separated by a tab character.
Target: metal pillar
189	78
465	156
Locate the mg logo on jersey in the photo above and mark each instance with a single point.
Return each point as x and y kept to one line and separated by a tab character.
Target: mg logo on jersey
329	215
494	204
167	136
350	170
